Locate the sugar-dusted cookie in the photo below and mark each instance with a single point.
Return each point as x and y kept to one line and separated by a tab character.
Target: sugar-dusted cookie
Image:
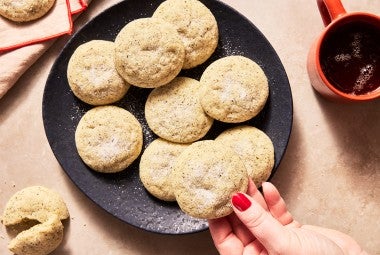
205	176
44	208
174	112
195	24
254	148
92	74
40	239
156	165
149	53
234	89
108	138
25	10
34	203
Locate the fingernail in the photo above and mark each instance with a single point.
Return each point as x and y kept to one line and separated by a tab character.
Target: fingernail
241	202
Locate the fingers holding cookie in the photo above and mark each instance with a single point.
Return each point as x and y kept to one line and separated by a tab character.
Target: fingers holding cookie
206	175
255	149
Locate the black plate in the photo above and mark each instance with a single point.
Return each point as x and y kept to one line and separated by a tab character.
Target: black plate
122	194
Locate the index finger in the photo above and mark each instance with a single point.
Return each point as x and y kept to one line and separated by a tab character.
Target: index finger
256	194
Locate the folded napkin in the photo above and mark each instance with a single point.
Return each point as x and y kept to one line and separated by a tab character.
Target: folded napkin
23	43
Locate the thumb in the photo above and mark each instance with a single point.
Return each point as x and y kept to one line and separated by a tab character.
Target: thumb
271	234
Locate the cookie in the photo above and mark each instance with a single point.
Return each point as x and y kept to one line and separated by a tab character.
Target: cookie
34	203
205	176
156	165
108	138
196	26
41	239
254	148
174	112
25	10
92	74
149	52
38	211
234	89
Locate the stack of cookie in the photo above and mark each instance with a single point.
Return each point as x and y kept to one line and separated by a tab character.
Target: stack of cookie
203	175
150	53
147	53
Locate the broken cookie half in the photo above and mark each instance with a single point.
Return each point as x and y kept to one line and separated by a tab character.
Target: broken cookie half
36	213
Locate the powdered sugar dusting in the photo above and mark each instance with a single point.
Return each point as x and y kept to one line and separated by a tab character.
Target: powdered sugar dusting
217	170
206	196
109	149
232	89
76	112
242	146
17	3
100	75
162	165
230	50
197	169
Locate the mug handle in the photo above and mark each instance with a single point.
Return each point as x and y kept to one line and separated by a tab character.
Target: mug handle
330	10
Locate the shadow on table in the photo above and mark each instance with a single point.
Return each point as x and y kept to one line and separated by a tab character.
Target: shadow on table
356	129
290	171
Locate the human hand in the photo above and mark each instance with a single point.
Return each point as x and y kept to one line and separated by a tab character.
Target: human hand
261	224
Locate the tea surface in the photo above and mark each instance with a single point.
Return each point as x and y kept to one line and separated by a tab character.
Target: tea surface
350	58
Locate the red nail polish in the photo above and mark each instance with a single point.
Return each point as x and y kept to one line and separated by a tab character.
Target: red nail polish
241	202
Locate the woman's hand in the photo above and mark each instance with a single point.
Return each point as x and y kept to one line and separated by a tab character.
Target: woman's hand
261	224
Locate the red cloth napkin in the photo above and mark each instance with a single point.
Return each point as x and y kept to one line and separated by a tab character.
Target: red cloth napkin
22	44
78	6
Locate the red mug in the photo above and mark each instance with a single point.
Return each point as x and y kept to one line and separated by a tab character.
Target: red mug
344	62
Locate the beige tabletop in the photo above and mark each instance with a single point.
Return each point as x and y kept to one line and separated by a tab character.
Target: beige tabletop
329	175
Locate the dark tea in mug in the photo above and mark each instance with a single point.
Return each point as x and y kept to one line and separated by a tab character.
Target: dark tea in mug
350	58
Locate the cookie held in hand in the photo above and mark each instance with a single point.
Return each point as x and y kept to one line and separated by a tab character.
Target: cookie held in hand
255	149
206	175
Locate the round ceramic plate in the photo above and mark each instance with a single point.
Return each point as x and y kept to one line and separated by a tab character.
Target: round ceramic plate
122	194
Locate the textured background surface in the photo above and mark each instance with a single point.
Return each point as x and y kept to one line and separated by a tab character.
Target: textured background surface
329	175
